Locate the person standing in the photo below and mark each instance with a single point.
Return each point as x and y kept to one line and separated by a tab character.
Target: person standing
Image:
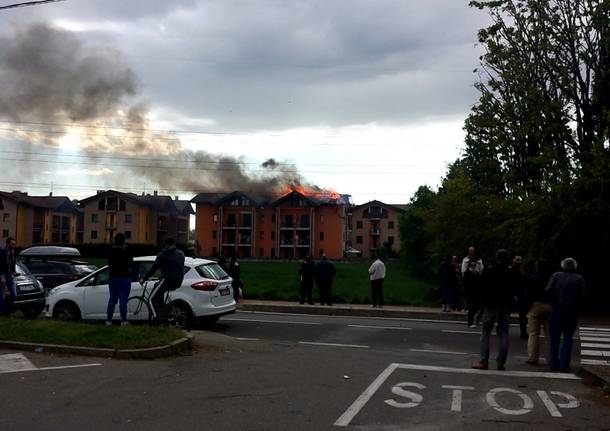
448	283
120	266
325	272
377	275
472	256
566	291
234	273
498	300
307	274
170	261
472	292
538	316
8	272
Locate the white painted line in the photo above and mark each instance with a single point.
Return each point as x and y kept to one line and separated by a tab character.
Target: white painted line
605	340
355	346
594	353
594	362
15	362
582	328
65	367
380	327
595	334
531	374
345	419
444	352
271	321
247	339
549	404
595	345
449	331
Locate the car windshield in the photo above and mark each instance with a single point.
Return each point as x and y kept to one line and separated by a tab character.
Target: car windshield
21	269
212	271
85	269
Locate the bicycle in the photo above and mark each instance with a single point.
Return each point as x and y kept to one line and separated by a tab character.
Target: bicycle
139	308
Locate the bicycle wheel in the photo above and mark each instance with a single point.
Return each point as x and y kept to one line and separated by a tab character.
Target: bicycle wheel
178	314
138	309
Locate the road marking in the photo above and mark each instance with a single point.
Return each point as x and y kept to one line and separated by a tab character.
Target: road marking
15	362
380	327
595	345
449	331
532	374
456	397
271	321
595	353
355	346
594	362
445	352
345	419
549	404
582	328
65	367
247	339
528	403
595	339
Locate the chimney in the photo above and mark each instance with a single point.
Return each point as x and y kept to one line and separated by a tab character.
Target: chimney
50	193
177	197
155	193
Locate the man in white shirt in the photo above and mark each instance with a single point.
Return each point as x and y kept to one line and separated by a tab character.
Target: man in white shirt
472	257
376	275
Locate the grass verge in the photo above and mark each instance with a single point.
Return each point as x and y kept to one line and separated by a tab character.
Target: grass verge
86	334
280	281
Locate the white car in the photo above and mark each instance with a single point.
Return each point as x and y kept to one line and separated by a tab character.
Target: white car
206	294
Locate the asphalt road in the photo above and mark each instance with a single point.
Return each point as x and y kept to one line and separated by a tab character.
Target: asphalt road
261	371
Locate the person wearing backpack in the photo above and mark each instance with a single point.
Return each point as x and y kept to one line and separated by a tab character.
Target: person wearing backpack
170	262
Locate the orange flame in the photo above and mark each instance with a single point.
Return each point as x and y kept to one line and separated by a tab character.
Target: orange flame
323	195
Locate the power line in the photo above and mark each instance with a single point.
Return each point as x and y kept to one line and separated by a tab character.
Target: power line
29	3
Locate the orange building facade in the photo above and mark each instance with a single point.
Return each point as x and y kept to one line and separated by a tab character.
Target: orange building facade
290	227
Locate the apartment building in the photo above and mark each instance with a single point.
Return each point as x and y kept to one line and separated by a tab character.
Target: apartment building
293	225
143	219
37	220
373	225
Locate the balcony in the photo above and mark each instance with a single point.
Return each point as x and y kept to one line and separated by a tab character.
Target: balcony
304	226
111	225
375	232
230	227
245	227
228	244
287	226
286	243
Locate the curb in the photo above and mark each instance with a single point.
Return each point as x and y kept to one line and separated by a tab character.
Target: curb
590	375
177	347
357	312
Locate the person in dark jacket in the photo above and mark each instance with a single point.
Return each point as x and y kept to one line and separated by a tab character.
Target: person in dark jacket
8	272
307	272
448	283
472	290
520	289
498	301
170	262
538	316
566	291
233	271
325	272
120	265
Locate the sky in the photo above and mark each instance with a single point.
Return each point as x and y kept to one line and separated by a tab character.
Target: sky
365	97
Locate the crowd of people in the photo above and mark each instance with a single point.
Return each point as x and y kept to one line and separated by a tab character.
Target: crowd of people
545	301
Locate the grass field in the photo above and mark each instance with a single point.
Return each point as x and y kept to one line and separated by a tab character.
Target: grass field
86	334
280	281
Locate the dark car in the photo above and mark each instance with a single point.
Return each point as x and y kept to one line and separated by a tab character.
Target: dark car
31	297
54	266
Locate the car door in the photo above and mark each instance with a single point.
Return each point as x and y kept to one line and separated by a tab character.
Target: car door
96	295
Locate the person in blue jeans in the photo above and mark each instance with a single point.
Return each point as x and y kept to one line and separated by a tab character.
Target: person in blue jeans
120	265
566	290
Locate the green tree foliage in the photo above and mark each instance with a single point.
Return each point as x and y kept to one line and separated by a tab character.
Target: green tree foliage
535	173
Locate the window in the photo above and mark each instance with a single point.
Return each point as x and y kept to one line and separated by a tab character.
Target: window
273	252
101	205
358	240
214	234
5	233
214	251
321	218
95	218
261	252
273	235
211	271
146	236
215	218
128	218
321	252
93	234
1	204
321	236
262	218
261	235
273	218
390	225
359	224
390	240
127	234
122	205
6	217
111	204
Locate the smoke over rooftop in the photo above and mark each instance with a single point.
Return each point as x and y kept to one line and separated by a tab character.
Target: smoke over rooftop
50	77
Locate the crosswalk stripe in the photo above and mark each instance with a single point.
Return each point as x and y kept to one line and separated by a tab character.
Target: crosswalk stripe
603	340
583	328
595	345
595	353
594	362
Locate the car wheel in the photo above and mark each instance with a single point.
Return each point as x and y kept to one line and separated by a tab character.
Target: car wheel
138	309
179	315
66	311
32	312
